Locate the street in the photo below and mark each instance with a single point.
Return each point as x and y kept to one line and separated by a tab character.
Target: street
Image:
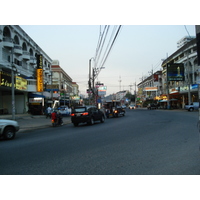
144	142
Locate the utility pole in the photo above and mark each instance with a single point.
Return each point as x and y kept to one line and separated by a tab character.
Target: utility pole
120	83
135	96
130	87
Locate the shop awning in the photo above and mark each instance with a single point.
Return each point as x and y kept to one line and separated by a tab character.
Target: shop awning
36	96
164	100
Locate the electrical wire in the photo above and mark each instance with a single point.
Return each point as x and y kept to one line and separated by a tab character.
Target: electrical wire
108	50
103	39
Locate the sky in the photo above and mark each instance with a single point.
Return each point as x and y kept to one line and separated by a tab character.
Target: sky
137	50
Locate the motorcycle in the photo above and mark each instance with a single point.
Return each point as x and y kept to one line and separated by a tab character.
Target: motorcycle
57	121
53	121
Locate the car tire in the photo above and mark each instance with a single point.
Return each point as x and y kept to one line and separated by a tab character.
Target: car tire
9	133
102	119
75	124
190	109
91	121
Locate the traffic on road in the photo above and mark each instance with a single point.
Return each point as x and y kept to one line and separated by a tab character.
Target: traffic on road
154	142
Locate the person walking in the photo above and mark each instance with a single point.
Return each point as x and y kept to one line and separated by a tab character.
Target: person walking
48	112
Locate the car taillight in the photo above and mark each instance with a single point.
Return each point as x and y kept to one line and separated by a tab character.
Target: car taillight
72	114
86	113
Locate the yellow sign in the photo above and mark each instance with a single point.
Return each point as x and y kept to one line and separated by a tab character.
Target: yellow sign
40	80
21	83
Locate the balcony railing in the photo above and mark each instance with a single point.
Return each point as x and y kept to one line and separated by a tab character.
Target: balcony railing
26	55
17	49
8	42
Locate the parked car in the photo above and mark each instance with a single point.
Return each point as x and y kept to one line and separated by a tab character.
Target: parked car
152	106
86	114
192	106
132	106
8	128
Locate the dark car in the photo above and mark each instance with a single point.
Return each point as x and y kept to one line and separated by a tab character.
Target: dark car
86	114
119	111
152	106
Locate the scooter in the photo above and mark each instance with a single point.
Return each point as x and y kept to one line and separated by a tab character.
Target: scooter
53	121
57	122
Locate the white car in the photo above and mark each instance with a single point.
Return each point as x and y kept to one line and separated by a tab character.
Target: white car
8	128
131	106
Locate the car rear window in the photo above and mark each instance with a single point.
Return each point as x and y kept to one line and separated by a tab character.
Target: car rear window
79	110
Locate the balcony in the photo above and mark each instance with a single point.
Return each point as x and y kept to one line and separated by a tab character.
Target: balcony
26	55
17	49
8	42
32	60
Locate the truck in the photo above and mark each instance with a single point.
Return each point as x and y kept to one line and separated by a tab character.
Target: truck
193	106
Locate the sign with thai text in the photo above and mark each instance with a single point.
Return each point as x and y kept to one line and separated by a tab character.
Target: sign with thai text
39	62
40	80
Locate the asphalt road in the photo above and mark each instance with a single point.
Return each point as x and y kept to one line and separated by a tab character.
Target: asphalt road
144	142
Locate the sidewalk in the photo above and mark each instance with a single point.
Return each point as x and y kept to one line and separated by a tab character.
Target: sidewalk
31	122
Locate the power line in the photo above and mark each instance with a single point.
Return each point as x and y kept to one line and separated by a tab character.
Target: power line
106	54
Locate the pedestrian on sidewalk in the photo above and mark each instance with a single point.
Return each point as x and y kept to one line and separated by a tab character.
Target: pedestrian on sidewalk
48	112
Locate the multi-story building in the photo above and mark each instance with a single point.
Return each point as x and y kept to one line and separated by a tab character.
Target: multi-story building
63	82
185	91
25	68
175	93
68	91
151	87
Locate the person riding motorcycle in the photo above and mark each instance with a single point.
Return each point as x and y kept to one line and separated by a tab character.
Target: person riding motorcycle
54	116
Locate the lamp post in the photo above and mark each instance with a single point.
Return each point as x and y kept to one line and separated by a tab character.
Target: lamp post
13	87
13	94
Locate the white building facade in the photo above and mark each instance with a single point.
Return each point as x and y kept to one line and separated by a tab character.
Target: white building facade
19	54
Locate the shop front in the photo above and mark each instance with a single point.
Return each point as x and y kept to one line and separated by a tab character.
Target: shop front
36	104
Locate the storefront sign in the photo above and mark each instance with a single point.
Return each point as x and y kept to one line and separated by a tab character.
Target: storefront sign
175	72
52	88
39	62
40	73
40	80
5	79
75	98
35	100
150	89
21	83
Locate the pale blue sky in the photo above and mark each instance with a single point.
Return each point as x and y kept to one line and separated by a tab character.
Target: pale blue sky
137	50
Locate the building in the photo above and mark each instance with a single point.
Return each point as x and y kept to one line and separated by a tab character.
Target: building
150	88
184	41
62	81
180	90
65	91
24	69
184	91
